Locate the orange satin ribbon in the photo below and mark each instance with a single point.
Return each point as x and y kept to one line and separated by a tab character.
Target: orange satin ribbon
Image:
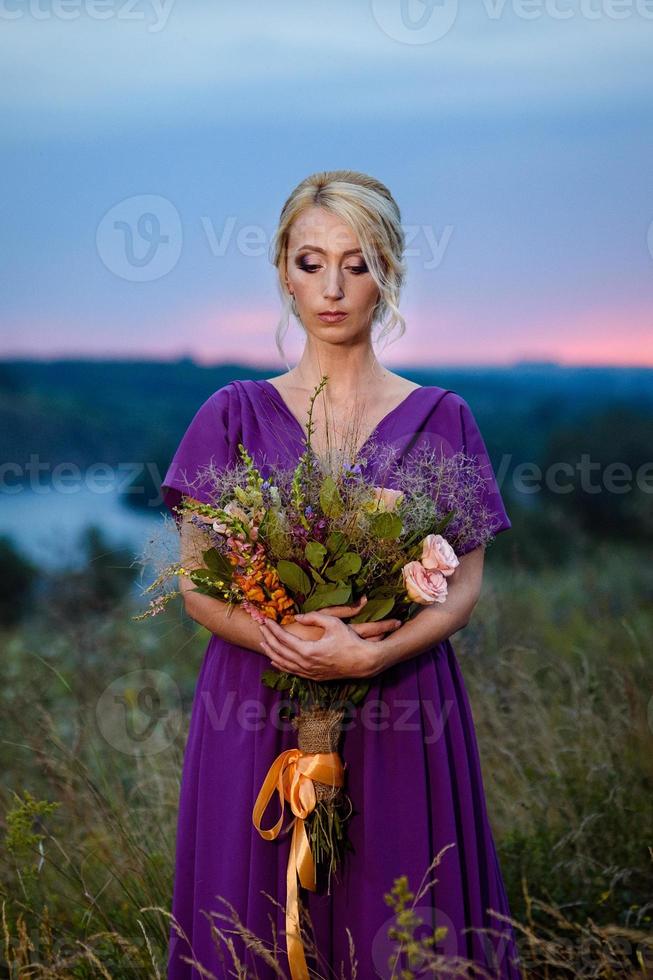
292	774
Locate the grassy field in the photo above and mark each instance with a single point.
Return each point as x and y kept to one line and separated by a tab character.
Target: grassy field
559	668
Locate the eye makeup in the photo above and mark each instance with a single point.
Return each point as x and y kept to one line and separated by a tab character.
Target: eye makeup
306	266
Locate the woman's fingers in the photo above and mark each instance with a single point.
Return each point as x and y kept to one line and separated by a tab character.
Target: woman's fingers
370	630
283	637
280	653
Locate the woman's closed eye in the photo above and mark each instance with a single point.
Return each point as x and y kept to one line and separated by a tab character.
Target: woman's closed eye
313	267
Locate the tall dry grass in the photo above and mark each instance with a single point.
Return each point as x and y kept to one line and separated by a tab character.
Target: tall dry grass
559	668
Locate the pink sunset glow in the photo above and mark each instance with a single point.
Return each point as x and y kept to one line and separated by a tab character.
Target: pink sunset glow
245	335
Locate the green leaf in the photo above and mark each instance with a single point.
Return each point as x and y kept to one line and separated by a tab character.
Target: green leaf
293	576
330	499
359	693
325	587
321	598
336	542
345	566
207	588
218	564
315	553
373	610
382	592
276	679
385	525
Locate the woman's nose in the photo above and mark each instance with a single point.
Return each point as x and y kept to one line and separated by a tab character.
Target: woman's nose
333	286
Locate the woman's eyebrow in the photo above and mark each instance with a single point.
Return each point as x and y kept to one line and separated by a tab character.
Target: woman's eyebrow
316	248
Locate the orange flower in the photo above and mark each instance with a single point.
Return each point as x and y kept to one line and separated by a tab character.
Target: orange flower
261	585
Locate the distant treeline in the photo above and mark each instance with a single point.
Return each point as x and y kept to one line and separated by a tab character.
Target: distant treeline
85	412
89	411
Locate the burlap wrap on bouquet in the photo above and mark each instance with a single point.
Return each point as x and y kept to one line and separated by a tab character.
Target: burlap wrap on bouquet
319	730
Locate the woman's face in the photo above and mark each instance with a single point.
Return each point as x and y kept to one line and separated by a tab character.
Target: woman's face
326	271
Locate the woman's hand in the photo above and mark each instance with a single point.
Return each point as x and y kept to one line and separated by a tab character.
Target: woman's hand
339	653
369	631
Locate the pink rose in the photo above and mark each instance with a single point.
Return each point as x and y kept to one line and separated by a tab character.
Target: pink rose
386	498
438	554
424	585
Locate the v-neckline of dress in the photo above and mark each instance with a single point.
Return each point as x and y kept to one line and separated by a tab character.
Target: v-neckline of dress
377	428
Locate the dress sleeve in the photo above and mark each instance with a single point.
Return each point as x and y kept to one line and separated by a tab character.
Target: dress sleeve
474	445
206	441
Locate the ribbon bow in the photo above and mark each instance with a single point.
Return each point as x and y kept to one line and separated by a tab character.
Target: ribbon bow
292	774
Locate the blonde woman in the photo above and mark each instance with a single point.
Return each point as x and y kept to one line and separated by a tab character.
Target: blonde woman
412	761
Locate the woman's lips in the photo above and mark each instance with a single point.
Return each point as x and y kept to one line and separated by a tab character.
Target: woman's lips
332	317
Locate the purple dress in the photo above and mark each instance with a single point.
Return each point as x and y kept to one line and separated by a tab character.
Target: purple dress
412	763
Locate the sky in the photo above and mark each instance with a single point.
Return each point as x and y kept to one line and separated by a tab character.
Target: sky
148	147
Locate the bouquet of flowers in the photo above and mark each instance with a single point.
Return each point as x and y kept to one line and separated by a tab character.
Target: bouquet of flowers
316	537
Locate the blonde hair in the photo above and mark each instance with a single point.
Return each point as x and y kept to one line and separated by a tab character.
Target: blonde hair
370	209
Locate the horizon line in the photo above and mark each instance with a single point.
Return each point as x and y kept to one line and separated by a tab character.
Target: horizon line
149	358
